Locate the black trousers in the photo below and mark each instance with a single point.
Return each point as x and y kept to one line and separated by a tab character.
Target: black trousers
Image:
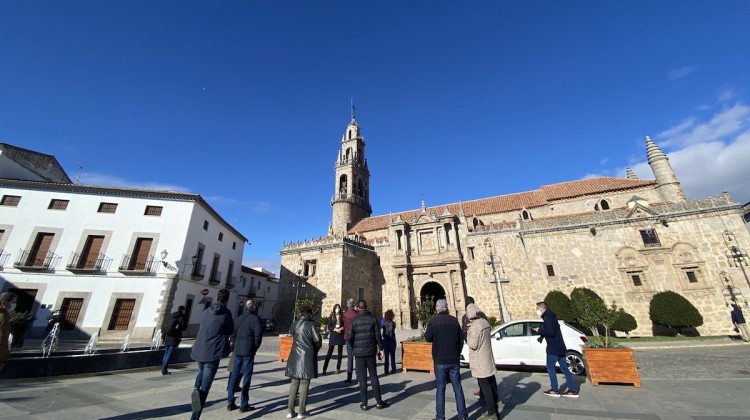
365	365
328	357
488	386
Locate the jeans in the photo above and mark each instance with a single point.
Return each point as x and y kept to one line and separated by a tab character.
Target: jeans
551	360
168	350
203	381
303	386
443	373
389	348
367	364
245	363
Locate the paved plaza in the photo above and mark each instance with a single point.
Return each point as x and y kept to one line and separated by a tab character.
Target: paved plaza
682	381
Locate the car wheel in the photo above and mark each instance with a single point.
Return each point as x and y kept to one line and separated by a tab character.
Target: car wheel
575	363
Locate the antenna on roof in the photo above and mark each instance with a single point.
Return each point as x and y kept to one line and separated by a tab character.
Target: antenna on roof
80	170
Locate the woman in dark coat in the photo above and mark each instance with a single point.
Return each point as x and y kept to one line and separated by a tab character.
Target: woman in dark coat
335	337
303	360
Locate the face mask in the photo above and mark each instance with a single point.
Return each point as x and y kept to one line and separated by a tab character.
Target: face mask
12	307
539	312
338	311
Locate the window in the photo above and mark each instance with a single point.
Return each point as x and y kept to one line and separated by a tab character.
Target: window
309	268
215	274
107	207
198	266
602	205
56	204
515	330
234	245
153	211
550	270
361	293
123	310
205	225
10	200
636	279
39	256
221	236
188	308
471	252
649	237
693	275
69	311
399	236
89	257
140	259
525	215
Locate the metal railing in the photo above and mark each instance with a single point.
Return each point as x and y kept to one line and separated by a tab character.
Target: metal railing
351	198
129	263
231	281
82	262
35	260
215	277
199	270
3	258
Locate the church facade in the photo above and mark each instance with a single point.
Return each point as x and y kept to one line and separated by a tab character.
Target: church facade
625	238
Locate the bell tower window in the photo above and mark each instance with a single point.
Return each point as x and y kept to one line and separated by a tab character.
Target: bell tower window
342	186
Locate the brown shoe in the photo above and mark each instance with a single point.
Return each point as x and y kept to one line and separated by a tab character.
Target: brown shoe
478	394
338	371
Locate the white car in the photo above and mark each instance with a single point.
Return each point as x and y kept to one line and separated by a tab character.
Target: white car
515	344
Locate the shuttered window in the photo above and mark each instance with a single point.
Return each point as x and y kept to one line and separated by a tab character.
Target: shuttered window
153	211
56	204
121	314
10	200
39	250
91	250
71	308
140	254
107	207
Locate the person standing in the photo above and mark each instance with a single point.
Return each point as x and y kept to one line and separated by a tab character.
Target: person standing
247	338
172	332
366	343
302	365
444	332
7	305
389	341
335	337
482	361
210	346
465	326
348	317
556	350
739	322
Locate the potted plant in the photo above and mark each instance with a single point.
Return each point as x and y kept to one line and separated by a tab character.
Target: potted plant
416	353
19	323
606	361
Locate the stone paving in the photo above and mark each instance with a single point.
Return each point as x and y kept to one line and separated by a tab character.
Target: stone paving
677	384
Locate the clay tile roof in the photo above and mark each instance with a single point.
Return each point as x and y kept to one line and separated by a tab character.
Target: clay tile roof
511	202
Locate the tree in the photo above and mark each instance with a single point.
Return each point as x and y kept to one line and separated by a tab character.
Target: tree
624	322
560	304
424	311
589	308
670	309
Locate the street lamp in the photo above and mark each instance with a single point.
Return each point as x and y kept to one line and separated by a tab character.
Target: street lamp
503	311
736	254
299	281
164	255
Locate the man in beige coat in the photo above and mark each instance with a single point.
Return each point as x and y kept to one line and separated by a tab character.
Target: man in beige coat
481	359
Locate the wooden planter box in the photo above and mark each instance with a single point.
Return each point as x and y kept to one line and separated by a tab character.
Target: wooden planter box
285	347
416	355
611	366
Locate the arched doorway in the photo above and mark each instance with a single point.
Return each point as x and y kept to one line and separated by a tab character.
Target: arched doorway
433	289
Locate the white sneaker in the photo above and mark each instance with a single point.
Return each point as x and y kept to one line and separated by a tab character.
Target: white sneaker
290	415
301	416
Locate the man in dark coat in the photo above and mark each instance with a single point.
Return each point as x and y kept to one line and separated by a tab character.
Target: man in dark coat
348	317
447	339
172	333
556	350
739	322
366	342
211	345
247	338
302	365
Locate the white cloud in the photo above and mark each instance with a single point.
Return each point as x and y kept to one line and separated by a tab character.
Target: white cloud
269	264
726	94
681	72
729	122
91	178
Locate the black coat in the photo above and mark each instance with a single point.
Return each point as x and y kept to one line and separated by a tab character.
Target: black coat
212	342
303	358
334	338
447	338
551	332
247	335
365	335
173	338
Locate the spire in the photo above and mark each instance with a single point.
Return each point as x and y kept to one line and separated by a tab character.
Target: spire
423	207
666	181
354	113
630	174
653	152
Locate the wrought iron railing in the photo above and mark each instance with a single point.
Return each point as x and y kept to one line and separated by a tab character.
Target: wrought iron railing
83	262
215	277
3	258
129	263
36	260
231	281
199	270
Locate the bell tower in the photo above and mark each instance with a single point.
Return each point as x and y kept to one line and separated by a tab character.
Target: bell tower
351	197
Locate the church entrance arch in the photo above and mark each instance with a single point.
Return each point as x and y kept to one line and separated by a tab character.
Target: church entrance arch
434	289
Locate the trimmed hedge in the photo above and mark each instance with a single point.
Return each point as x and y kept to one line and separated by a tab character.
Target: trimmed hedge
670	309
625	322
589	308
561	305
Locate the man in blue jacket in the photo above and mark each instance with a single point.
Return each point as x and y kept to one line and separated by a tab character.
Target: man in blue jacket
247	338
211	345
556	350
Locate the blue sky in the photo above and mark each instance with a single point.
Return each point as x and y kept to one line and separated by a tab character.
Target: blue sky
245	102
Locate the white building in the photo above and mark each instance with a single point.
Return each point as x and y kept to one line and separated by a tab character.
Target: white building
113	260
261	285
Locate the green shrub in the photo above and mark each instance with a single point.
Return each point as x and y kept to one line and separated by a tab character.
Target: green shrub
624	322
670	309
493	321
560	304
424	310
589	308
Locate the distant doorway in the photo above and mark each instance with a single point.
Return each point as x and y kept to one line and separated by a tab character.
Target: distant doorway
433	289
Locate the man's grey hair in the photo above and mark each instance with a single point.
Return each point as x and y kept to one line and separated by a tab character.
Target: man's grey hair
249	304
350	303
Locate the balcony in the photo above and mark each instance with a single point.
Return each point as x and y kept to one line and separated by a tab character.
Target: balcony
351	198
130	265
231	281
83	263
215	278
199	271
33	260
3	258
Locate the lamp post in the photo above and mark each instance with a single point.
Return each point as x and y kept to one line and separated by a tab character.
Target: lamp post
736	254
164	255
298	282
500	302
